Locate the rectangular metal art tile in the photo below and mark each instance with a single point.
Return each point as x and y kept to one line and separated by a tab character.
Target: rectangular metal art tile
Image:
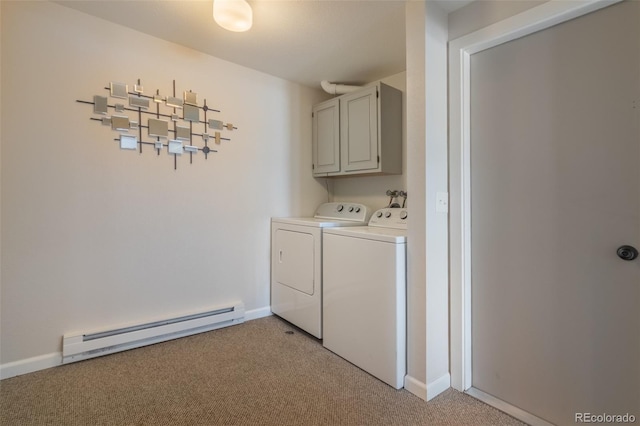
191	113
191	98
216	124
120	122
100	105
158	128
174	102
183	133
175	147
137	102
119	90
128	142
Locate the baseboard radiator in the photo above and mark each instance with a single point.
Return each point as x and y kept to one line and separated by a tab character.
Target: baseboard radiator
81	346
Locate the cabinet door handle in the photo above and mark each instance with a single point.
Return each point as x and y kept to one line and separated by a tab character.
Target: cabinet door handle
280	256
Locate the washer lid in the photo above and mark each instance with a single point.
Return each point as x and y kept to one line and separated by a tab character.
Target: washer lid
315	222
387	235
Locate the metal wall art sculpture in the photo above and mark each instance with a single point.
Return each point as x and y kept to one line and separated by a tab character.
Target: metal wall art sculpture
142	119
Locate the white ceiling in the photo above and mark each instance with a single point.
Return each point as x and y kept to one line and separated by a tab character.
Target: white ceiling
305	41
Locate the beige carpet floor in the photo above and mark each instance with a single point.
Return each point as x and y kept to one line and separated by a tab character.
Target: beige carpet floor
262	372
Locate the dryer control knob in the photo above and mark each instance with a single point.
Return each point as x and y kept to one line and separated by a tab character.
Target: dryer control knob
340	207
387	215
379	214
403	214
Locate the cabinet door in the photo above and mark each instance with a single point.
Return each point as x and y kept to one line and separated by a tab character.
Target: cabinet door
359	130
326	137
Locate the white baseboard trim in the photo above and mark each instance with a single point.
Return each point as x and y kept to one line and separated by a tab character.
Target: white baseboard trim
30	365
257	313
430	391
415	386
504	406
438	386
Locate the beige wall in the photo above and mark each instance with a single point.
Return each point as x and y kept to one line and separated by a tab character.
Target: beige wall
93	236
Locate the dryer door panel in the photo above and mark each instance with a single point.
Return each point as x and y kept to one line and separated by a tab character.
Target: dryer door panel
294	260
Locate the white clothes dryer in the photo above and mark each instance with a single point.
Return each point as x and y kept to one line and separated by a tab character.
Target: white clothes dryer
296	262
364	294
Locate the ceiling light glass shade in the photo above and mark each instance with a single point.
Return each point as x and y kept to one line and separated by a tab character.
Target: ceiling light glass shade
233	15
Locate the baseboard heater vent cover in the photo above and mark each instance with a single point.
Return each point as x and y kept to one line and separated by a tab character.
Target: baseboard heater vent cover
81	346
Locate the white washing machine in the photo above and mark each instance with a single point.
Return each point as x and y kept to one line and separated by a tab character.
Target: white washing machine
364	294
296	262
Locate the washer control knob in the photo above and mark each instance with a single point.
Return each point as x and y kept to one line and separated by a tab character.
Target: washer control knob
340	207
351	209
358	209
379	214
387	215
403	214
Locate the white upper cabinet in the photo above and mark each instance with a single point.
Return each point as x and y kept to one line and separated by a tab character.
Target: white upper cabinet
359	133
326	137
359	130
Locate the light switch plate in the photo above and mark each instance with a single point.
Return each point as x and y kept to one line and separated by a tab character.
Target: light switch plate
442	202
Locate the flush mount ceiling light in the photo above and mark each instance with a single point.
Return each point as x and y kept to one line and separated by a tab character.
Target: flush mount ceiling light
233	15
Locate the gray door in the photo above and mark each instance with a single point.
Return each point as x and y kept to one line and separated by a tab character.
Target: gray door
555	190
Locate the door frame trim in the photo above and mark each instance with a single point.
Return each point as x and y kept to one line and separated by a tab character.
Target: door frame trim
460	50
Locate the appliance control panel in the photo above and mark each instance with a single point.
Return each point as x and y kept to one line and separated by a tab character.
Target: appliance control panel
343	211
390	218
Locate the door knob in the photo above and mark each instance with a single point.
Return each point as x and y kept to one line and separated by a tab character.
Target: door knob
627	252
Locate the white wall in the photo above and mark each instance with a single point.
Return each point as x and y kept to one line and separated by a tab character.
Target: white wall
93	236
436	175
416	250
427	268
